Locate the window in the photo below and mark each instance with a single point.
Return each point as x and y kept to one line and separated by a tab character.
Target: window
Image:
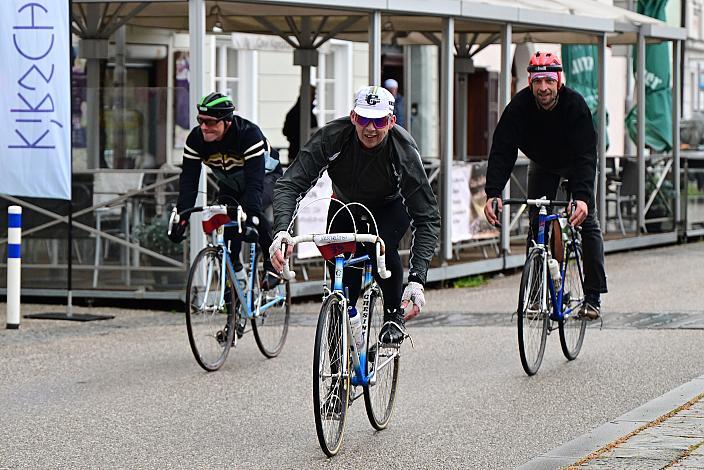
235	75
333	79
326	88
227	72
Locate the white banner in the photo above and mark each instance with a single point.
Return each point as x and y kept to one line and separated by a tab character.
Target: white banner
35	103
461	201
312	218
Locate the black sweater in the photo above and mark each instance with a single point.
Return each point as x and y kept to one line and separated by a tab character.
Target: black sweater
562	139
237	161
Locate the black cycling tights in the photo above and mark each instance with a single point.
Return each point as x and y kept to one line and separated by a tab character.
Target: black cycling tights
543	182
227	196
392	221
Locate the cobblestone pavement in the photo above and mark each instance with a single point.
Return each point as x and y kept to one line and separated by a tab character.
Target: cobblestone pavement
644	438
676	441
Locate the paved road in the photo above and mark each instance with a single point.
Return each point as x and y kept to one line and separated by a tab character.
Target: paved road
127	392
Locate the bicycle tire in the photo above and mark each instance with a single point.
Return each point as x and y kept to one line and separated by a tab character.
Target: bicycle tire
532	322
210	327
270	327
330	394
379	398
573	328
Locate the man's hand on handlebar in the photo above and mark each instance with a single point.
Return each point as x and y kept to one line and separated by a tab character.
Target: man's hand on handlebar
413	296
493	209
177	231
578	213
251	229
177	226
277	257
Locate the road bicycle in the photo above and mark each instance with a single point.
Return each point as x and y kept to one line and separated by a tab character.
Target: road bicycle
343	372
541	302
218	306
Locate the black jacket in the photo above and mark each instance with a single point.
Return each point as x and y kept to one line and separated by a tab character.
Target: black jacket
392	170
562	139
239	161
292	131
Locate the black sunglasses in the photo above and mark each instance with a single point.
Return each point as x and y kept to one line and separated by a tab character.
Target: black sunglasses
210	122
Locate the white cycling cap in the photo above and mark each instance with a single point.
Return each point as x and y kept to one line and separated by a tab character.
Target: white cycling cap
374	102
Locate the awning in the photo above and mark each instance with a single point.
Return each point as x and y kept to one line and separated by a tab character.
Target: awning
556	21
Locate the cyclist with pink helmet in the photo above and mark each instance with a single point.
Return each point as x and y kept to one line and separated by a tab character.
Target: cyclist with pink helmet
552	125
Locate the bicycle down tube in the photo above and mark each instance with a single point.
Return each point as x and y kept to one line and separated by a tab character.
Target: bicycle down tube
543	221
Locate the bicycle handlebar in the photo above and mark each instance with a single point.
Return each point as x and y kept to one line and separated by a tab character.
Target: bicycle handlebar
235	212
537	202
326	238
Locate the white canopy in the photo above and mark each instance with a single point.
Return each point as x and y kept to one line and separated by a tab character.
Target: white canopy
557	21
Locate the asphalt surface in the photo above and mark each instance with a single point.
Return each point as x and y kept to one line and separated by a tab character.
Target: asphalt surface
127	392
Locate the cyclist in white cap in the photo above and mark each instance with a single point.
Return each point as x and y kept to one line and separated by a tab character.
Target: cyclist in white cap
374	162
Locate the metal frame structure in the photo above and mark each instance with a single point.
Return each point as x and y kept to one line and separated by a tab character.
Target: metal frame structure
312	23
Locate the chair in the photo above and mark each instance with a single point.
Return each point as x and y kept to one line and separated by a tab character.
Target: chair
118	215
622	190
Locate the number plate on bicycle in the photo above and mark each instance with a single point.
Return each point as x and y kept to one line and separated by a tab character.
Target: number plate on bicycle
330	244
214	218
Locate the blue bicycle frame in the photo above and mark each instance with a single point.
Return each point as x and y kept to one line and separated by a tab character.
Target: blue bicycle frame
359	358
556	297
246	298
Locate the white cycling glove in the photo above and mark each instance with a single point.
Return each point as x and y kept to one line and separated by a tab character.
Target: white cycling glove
279	239
413	294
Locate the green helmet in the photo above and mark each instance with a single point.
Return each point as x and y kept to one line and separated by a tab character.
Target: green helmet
216	105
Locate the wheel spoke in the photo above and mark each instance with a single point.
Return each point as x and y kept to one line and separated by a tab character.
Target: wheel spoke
383	363
209	311
533	317
330	384
572	328
272	310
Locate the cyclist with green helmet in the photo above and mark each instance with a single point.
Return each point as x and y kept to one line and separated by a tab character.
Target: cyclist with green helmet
244	164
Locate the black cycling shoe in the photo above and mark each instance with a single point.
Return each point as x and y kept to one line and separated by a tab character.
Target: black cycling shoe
270	281
591	310
394	330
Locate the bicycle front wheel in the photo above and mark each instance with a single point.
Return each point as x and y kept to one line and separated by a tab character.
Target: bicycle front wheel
270	324
572	328
331	384
383	363
210	311
532	318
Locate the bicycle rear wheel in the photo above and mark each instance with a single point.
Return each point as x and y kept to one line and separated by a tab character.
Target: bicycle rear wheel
270	326
210	313
572	328
331	386
532	320
380	397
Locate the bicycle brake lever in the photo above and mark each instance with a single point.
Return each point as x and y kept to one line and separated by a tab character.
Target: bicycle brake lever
495	210
286	271
173	219
241	216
